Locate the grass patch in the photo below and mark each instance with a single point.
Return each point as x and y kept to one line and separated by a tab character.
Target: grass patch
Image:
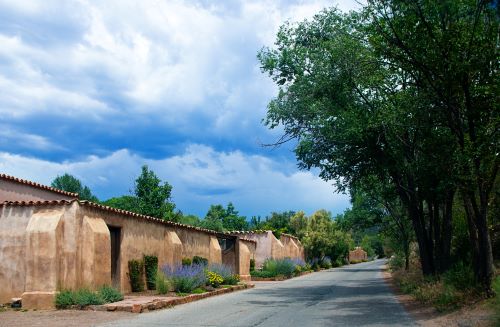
84	297
181	294
198	291
453	290
495	302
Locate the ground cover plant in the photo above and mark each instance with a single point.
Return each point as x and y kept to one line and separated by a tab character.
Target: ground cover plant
185	278
452	290
279	267
84	297
227	274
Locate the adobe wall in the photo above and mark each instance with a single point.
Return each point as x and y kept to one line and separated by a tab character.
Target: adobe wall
358	254
45	248
268	246
14	191
13	223
245	252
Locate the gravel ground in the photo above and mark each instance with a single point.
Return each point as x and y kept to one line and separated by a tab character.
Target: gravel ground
59	318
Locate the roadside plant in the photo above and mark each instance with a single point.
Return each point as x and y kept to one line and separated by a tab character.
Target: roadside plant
110	294
185	278
150	267
200	261
136	275
252	264
275	267
214	279
326	263
223	270
186	261
162	283
232	280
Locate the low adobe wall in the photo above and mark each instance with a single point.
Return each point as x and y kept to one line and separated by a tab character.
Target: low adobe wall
268	246
67	245
358	254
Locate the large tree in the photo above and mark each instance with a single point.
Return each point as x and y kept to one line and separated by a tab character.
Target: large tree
69	183
450	51
359	110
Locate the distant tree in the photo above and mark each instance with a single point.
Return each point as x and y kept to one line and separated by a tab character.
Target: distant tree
71	184
151	198
190	220
279	221
125	202
298	224
256	223
219	218
154	199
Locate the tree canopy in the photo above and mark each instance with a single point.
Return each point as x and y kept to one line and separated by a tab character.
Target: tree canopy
69	183
403	95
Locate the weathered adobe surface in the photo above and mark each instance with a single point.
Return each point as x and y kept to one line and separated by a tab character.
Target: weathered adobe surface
52	245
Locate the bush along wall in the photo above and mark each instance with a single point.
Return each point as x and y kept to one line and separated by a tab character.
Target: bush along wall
136	275
151	268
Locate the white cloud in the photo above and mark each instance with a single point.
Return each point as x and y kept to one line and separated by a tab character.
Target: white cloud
200	176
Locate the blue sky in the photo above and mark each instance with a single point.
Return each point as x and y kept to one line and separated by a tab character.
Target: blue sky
97	89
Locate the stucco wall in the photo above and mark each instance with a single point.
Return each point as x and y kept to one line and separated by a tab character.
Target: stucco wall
268	246
14	191
245	251
358	254
45	248
13	223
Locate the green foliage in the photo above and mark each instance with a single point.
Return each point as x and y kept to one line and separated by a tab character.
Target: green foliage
252	264
154	199
263	274
220	219
162	283
71	184
495	302
64	299
109	294
460	277
406	93
198	291
298	224
279	267
200	261
232	280
187	262
136	275
150	267
191	220
84	297
214	279
125	202
151	198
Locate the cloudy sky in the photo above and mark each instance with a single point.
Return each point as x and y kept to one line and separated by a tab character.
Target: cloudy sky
99	88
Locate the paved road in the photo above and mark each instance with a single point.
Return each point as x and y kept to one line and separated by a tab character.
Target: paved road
350	296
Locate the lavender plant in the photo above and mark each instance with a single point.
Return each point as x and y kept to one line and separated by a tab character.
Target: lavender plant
226	272
185	278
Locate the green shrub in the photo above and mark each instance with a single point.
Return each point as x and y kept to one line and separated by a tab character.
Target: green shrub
284	267
262	274
200	261
110	294
252	264
150	267
198	291
232	280
64	299
186	262
396	262
496	300
136	275
84	297
326	263
460	276
162	283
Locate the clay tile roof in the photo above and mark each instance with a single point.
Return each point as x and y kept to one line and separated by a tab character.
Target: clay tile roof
114	210
33	184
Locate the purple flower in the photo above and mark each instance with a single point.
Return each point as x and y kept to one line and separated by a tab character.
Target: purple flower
185	278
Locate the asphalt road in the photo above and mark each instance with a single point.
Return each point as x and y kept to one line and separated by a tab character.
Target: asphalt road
354	295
